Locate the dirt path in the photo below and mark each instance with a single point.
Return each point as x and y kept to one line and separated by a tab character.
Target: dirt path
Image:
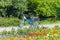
15	28
49	25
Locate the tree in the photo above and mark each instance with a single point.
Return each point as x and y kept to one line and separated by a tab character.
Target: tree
46	8
21	5
12	7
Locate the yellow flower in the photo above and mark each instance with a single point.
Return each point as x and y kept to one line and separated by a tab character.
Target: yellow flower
12	38
37	32
23	38
54	31
6	38
29	38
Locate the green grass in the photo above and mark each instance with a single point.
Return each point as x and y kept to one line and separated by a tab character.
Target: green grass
8	22
46	22
49	21
5	22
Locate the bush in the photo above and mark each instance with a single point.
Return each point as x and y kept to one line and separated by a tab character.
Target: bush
9	22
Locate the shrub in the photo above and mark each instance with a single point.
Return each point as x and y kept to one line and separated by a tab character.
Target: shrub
9	22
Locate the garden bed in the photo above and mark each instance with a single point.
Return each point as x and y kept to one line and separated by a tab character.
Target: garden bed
44	33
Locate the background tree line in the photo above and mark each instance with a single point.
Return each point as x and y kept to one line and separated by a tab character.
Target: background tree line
12	7
42	8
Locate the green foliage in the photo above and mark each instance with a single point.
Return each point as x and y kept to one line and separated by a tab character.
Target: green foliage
5	3
39	7
22	32
46	8
21	5
42	8
9	21
12	7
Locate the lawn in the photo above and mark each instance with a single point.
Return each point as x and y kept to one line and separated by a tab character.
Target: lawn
49	22
6	22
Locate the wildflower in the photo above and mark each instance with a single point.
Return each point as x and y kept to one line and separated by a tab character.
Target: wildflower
30	38
6	38
43	34
12	38
53	38
23	38
37	32
31	34
54	31
45	39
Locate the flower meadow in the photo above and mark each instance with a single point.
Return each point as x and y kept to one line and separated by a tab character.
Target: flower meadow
44	33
